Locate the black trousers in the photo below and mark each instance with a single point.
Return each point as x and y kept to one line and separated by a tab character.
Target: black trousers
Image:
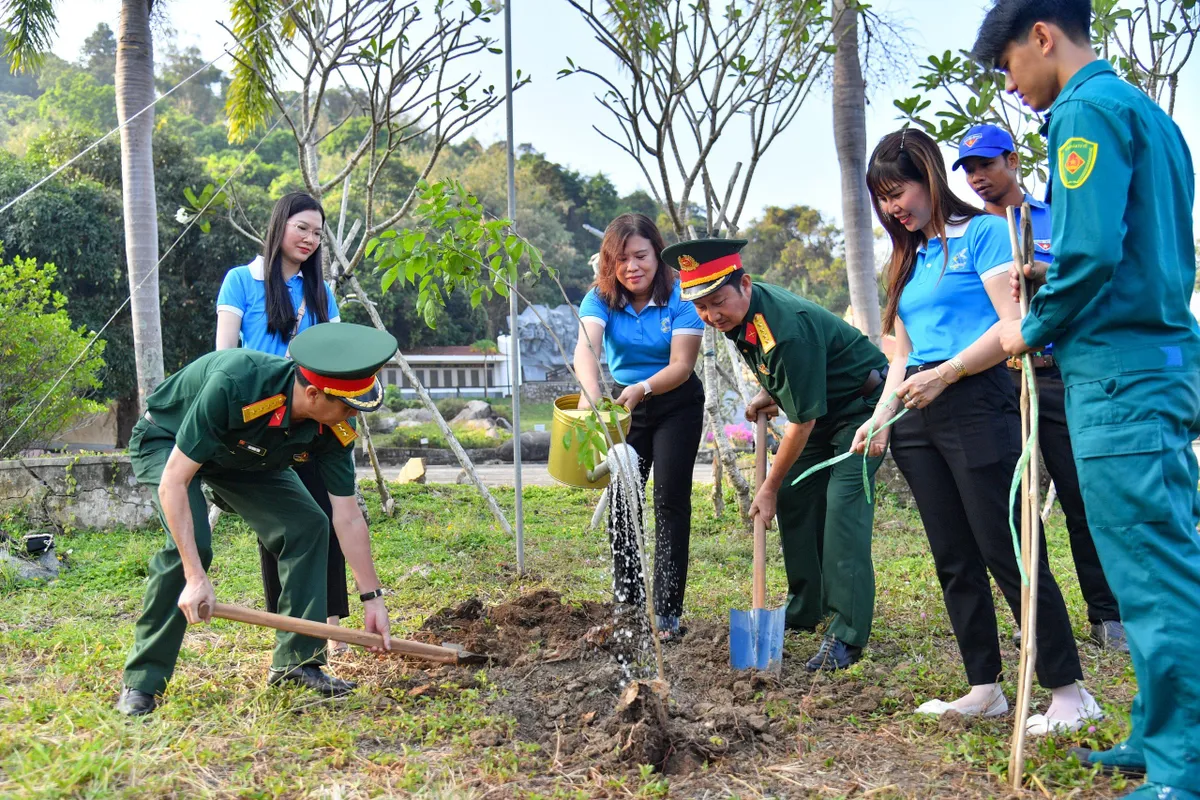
665	431
1055	442
338	605
958	455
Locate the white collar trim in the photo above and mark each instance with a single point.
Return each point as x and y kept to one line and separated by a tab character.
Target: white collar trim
956	231
256	269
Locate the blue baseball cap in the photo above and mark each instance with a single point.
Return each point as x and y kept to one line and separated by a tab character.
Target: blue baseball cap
985	141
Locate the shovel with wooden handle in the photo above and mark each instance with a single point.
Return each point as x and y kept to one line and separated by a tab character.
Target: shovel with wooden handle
756	636
446	654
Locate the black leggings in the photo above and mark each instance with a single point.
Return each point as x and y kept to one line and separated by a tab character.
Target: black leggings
958	455
338	605
665	432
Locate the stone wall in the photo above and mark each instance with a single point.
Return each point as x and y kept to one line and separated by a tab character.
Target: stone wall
547	391
76	491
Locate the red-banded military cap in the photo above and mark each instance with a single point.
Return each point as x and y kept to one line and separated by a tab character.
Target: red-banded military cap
342	360
704	265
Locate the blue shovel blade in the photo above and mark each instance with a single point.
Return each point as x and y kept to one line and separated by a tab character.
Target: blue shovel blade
756	639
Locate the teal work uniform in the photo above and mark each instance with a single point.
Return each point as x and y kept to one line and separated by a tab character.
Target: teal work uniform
231	412
1116	307
815	366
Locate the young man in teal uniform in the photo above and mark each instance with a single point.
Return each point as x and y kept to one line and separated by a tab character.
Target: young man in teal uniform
988	155
1115	304
826	377
236	420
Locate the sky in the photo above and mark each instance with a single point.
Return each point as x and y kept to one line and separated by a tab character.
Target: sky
556	116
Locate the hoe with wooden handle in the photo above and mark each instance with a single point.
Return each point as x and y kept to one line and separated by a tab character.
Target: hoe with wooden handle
446	654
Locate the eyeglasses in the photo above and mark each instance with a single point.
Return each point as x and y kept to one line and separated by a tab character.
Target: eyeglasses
305	231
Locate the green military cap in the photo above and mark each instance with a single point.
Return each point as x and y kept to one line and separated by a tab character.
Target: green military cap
342	359
705	265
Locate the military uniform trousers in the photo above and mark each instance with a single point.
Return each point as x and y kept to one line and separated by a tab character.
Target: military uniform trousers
825	526
1054	441
1133	430
288	522
958	455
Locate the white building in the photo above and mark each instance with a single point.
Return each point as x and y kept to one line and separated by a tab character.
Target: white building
456	371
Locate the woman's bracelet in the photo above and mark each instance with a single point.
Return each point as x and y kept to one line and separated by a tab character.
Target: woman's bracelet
938	371
958	366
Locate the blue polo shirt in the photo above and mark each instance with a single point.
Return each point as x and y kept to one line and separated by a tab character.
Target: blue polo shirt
1039	212
243	292
944	307
639	345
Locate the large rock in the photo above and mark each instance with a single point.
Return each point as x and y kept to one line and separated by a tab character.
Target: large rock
415	415
485	426
535	446
476	409
382	422
413	472
43	567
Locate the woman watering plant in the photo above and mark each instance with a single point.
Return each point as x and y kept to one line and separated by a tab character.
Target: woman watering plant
265	304
960	441
650	338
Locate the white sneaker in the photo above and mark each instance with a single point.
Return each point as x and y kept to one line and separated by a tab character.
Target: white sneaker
1041	725
996	708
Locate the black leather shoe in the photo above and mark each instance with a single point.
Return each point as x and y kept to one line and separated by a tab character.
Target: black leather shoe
833	654
1107	767
1110	635
1016	638
311	676
135	702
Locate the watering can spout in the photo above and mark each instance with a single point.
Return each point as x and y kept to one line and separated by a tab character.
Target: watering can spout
621	457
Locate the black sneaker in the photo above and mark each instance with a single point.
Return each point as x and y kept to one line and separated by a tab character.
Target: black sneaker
311	676
135	702
834	654
1110	635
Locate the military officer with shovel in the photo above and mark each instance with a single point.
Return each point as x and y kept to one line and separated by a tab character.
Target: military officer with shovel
826	377
236	420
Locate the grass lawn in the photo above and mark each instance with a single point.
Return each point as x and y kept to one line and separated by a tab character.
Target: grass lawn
531	413
456	733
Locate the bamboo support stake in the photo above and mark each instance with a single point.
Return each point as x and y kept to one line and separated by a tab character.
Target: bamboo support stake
1030	516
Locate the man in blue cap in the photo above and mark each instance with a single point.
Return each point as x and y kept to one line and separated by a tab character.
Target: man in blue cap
988	156
1115	304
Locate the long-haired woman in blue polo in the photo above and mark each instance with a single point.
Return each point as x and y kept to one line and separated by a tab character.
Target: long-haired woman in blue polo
262	306
651	338
959	443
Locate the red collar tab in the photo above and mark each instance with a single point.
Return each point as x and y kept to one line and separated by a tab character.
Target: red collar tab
277	417
751	334
339	387
693	273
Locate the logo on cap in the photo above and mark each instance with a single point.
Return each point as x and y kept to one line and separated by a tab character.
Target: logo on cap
972	139
687	263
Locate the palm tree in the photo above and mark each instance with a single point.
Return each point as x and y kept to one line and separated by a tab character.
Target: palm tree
31	26
850	135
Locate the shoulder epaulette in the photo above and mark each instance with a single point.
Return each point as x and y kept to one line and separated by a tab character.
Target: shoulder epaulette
344	433
262	407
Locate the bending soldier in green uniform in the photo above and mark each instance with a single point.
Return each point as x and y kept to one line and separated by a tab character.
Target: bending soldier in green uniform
237	420
1115	304
826	377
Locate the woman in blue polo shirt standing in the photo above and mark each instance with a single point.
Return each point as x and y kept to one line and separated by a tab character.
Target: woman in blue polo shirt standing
960	441
651	339
263	305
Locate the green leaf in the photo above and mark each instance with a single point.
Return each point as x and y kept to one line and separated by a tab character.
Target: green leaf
389	277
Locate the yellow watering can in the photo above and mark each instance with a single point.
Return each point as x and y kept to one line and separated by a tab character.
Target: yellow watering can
567	433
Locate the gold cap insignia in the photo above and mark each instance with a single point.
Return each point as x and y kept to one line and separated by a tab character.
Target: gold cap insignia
687	263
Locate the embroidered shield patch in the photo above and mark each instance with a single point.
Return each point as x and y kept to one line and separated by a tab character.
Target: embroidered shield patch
1076	159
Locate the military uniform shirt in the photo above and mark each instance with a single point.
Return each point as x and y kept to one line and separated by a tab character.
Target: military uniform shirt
810	360
1123	267
231	410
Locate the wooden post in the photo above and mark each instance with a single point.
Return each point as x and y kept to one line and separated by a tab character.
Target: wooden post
1022	248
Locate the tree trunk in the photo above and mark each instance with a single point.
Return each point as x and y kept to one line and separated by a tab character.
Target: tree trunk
850	134
135	91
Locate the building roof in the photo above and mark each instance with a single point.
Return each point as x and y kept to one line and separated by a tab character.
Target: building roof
451	350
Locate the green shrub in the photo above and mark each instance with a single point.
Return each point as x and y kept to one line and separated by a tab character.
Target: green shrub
38	345
397	402
451	406
411	437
